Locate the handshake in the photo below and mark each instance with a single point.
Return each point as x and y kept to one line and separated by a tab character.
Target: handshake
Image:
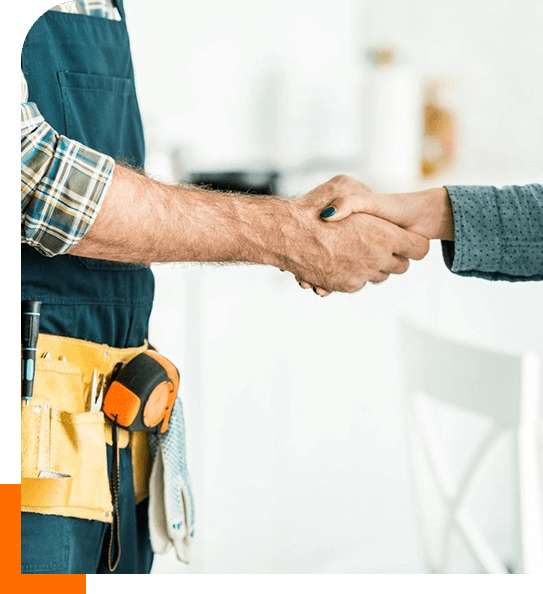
353	236
337	237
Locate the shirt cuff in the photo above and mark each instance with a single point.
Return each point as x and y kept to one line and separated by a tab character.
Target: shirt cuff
477	231
498	232
63	184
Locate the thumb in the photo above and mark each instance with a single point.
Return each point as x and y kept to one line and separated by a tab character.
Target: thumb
340	209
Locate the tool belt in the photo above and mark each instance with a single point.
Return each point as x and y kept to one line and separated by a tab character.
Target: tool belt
63	442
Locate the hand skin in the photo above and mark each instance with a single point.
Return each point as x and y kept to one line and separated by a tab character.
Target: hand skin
428	213
143	220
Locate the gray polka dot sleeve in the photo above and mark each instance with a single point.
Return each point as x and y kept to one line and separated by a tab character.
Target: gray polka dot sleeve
498	232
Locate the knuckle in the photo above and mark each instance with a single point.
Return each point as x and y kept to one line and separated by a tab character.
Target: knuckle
340	179
381	278
404	266
360	287
423	248
353	287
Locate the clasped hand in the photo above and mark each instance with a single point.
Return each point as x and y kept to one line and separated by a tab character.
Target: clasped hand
341	250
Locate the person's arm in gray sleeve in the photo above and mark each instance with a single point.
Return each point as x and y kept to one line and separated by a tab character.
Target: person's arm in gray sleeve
498	233
490	233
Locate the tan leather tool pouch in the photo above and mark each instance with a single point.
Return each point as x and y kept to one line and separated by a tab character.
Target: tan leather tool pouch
63	447
63	444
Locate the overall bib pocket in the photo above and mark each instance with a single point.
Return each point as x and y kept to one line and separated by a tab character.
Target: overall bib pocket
95	105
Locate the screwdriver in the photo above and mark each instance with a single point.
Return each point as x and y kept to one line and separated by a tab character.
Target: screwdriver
30	324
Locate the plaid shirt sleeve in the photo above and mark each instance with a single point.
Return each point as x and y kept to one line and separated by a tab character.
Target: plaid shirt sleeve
62	185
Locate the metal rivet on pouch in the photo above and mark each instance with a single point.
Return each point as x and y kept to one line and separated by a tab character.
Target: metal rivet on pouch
37	410
46	406
106	354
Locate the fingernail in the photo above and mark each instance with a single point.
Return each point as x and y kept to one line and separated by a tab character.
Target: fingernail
328	212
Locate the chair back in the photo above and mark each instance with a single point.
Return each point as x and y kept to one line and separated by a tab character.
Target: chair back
504	389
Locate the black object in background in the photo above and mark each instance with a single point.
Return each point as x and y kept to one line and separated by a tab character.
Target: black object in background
263	183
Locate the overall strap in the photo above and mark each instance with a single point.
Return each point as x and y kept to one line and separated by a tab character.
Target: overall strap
119	5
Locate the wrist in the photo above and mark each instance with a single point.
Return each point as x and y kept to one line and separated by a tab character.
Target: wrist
428	212
304	250
442	213
267	226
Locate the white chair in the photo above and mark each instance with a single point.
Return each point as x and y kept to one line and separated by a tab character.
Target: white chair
503	388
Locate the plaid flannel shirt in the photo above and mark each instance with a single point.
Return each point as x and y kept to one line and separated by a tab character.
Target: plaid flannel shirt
62	181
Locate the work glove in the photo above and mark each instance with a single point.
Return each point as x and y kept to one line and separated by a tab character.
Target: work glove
171	502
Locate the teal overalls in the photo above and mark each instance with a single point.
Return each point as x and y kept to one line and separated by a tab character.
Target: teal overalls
80	75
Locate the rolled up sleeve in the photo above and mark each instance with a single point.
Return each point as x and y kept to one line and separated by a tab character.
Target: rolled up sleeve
498	232
63	184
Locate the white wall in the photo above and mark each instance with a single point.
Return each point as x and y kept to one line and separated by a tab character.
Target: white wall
492	52
294	402
244	82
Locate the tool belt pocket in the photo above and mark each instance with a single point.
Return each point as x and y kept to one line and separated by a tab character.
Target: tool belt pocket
63	448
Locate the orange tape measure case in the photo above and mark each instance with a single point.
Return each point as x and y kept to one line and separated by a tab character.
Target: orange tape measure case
142	393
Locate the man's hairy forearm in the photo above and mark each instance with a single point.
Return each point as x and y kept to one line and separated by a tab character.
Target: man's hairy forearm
142	220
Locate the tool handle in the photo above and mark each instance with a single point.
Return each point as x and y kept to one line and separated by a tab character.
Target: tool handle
30	326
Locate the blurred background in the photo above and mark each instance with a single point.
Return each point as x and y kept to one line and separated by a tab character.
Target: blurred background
294	403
